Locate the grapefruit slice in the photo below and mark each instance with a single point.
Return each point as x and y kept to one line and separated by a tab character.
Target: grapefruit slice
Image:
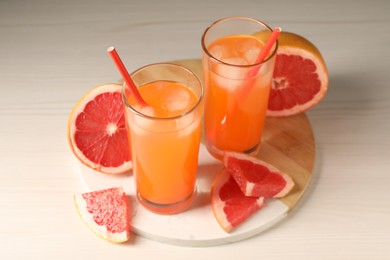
230	206
106	213
300	77
97	130
255	177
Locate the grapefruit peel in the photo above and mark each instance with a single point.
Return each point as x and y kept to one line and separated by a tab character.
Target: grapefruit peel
119	212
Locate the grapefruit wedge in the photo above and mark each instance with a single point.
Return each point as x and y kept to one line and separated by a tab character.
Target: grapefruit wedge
97	130
300	77
256	178
230	206
106	213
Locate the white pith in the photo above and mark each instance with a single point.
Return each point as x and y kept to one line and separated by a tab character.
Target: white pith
249	188
111	129
281	83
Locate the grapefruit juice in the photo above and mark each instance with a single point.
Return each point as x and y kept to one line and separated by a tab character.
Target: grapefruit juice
165	139
237	92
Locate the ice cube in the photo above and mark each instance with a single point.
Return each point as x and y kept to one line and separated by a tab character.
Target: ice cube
235	61
217	51
231	71
229	77
139	123
249	50
178	102
147	110
244	45
251	55
188	124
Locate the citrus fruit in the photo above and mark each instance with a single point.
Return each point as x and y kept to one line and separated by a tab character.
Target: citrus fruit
230	206
300	77
97	130
106	213
255	177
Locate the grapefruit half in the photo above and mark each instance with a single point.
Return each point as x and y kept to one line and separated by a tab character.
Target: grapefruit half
255	177
230	206
106	213
97	130
300	77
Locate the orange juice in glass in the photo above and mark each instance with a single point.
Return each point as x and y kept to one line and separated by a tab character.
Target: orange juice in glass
236	87
165	136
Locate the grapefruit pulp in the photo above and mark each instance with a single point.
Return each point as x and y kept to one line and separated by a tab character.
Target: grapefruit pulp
255	177
300	78
106	213
97	130
230	206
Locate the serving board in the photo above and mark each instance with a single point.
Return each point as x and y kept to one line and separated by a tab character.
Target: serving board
288	143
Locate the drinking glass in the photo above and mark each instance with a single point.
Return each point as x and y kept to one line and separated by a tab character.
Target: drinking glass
236	87
165	144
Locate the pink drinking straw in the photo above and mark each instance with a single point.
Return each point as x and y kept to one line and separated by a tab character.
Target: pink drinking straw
262	55
264	51
126	76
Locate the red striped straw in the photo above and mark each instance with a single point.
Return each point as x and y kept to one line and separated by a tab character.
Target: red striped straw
126	76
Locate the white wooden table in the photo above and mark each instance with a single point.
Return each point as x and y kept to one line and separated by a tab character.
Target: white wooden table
51	52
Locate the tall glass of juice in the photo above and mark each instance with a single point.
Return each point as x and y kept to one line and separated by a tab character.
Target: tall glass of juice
236	87
165	135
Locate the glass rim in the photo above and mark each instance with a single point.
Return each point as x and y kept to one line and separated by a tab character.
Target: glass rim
206	51
187	112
